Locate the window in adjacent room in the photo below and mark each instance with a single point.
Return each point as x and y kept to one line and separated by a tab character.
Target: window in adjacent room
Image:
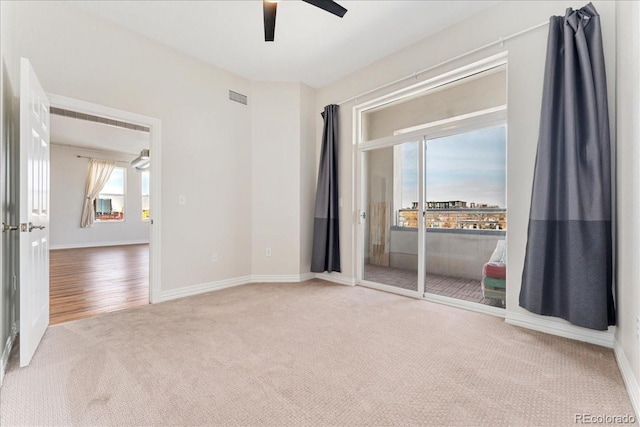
110	201
145	196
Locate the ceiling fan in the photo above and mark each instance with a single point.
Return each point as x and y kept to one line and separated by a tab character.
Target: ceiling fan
270	7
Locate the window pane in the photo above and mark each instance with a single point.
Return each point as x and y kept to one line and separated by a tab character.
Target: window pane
145	183
467	170
145	195
115	185
110	202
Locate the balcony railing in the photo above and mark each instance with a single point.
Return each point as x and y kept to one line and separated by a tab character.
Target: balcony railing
450	252
458	218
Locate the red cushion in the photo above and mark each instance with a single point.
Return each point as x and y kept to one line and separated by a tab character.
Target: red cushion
494	271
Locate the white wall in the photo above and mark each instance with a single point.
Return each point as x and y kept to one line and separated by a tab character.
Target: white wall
526	58
275	169
308	174
206	139
628	185
68	179
282	178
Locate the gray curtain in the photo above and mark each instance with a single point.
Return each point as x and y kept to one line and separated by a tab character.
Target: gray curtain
326	224
568	262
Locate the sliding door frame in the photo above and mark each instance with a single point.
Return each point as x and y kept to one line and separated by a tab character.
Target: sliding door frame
421	133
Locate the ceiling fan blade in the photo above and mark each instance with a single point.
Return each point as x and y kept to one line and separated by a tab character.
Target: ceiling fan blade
328	5
269	9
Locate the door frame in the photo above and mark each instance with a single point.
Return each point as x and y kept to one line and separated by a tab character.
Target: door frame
154	125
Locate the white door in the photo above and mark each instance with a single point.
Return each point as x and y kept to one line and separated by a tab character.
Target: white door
34	212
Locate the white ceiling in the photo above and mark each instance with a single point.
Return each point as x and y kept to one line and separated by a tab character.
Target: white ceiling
96	136
311	45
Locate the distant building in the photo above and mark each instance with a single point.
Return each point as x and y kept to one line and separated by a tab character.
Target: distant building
456	214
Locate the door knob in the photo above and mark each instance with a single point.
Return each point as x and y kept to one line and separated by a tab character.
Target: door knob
31	227
7	227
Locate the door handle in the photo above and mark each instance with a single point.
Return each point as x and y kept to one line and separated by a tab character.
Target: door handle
7	227
31	227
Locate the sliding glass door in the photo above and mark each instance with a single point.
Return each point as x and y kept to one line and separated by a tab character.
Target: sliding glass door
390	196
466	215
433	214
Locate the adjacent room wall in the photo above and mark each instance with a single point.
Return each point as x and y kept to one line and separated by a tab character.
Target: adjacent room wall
525	70
68	180
628	189
206	138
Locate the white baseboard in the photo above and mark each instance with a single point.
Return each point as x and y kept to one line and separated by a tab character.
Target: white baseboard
336	278
6	352
98	244
630	381
562	328
237	281
204	287
284	278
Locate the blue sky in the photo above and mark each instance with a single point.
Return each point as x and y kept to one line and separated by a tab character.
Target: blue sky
469	167
115	185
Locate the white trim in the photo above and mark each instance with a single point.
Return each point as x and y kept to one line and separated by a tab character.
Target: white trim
439	80
282	278
203	287
338	278
154	125
562	328
630	381
466	305
500	114
229	283
6	353
98	244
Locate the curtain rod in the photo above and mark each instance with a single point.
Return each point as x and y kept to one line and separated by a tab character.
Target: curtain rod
500	41
107	160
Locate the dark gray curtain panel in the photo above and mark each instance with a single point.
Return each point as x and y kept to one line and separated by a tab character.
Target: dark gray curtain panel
326	224
568	262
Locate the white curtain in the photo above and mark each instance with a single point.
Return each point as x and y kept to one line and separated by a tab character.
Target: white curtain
99	172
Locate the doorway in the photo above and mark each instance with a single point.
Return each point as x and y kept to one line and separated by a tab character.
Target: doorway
110	265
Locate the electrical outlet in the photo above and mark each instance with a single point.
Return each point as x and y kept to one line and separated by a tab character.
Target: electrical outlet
214	257
638	327
268	251
182	200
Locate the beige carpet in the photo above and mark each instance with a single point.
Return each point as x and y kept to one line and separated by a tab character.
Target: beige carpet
307	354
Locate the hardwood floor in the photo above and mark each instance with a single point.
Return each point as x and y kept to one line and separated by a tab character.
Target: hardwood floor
90	281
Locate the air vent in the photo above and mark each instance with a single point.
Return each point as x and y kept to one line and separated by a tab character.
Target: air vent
102	120
238	97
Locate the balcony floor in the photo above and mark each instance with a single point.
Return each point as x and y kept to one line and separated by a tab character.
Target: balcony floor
448	286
